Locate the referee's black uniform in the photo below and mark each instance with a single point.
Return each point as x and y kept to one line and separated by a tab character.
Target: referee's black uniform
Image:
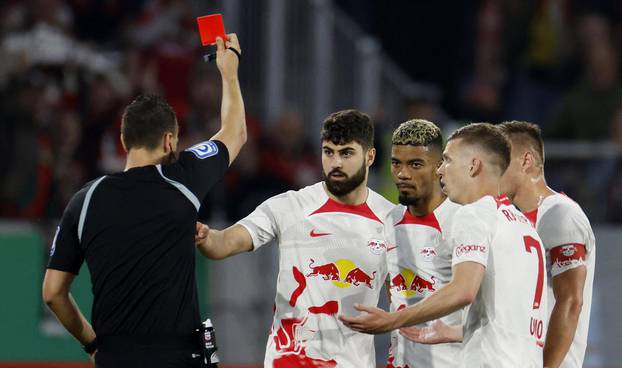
136	230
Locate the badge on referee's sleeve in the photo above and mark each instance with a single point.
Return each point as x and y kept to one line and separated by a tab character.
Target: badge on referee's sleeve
204	149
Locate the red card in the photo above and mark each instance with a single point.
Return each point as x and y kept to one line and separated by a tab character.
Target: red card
210	27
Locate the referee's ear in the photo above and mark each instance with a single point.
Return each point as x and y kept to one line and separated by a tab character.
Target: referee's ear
123	143
167	142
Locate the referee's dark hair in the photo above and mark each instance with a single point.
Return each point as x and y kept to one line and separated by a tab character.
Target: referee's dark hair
146	120
347	126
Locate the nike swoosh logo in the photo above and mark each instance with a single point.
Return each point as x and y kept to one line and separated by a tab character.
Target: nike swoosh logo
391	248
313	234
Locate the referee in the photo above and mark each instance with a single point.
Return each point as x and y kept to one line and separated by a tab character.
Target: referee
135	229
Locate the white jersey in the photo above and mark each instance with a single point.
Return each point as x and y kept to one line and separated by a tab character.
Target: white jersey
569	242
331	257
420	265
506	324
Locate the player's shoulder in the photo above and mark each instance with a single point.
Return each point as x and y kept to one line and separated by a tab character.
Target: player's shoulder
309	196
381	206
562	220
446	211
396	214
484	208
559	206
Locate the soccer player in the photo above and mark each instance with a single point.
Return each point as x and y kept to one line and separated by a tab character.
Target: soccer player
568	239
135	229
332	252
498	265
421	261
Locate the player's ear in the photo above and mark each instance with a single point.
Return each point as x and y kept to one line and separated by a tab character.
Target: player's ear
370	156
476	167
527	161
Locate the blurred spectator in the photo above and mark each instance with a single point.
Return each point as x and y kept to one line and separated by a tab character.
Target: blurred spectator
286	153
586	111
614	185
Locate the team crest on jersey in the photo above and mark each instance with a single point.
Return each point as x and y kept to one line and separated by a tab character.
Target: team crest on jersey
568	250
377	246
204	149
428	253
53	247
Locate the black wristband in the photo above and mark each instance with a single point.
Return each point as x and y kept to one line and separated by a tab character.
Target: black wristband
91	347
237	53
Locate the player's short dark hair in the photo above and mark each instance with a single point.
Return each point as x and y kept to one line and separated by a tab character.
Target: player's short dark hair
347	126
146	120
526	133
418	132
490	139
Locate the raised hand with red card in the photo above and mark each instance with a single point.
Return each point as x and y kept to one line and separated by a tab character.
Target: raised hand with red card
228	53
233	130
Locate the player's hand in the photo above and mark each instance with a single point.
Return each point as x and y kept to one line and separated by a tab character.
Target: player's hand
436	332
202	231
375	321
227	60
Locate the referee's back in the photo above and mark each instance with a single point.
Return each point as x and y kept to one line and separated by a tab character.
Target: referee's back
135	230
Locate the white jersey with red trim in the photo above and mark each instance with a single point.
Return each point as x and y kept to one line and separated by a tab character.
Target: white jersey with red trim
419	265
506	324
331	257
569	243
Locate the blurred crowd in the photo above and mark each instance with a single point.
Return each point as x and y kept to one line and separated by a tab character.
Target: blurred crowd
69	67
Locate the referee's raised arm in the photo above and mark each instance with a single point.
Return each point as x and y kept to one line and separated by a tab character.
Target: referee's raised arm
232	132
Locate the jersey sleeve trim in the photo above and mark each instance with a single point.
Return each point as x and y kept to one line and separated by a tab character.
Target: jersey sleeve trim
250	228
85	207
182	188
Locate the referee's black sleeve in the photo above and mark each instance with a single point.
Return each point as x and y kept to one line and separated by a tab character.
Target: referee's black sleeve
199	167
66	254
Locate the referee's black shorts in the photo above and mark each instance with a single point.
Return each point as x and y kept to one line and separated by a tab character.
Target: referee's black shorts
132	352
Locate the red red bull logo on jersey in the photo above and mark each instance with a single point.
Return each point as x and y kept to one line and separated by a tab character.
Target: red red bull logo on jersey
377	247
428	253
343	273
409	283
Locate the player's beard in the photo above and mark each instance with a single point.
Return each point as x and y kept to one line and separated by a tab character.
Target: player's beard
408	200
341	188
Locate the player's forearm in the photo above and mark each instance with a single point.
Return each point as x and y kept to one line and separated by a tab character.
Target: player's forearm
213	246
561	331
441	303
221	244
64	307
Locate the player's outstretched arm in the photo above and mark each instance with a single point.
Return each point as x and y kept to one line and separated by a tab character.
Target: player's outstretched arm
219	244
459	292
233	119
568	291
56	285
436	333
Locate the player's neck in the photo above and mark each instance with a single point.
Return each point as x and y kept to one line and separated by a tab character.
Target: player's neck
531	193
485	187
355	197
138	157
428	205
